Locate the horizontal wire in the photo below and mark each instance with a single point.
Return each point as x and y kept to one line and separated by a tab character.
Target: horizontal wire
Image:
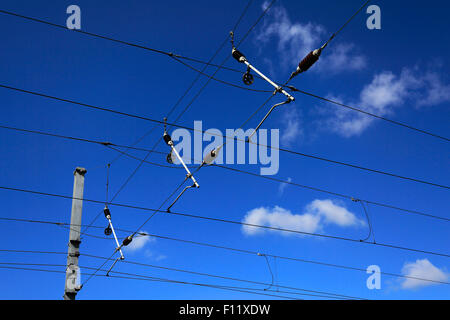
427	215
225	248
178	57
127	43
204	244
219	80
255	253
110	145
138	277
307	292
227	221
222	277
354	166
398	123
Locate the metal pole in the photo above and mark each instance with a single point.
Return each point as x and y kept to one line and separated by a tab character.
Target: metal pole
72	271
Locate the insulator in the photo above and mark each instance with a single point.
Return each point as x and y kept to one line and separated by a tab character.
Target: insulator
167	137
309	60
108	230
169	158
248	78
238	55
210	157
127	241
107	213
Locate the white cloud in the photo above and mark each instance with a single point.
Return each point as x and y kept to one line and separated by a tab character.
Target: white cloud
422	269
296	40
386	92
333	213
279	218
317	214
139	242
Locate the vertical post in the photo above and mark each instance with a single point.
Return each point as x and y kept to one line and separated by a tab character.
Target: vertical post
72	271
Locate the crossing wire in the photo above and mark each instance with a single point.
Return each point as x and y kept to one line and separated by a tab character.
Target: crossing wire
216	246
176	120
228	221
290	182
175	57
111	146
139	277
302	291
179	116
297	153
178	58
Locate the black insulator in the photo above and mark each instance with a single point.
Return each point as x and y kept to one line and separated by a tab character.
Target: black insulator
107	213
167	138
169	158
308	61
108	230
248	78
127	241
238	55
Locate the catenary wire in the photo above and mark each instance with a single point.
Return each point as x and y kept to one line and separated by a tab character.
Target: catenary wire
240	140
221	247
111	146
209	275
178	57
228	221
176	120
138	277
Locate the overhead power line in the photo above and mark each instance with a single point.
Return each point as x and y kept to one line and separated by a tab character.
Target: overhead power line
130	237
220	247
111	146
133	173
134	276
219	80
209	275
398	123
144	278
176	120
300	291
231	138
228	221
178	58
289	182
174	56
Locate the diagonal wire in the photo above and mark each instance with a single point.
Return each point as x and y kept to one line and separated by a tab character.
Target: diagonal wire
188	215
110	145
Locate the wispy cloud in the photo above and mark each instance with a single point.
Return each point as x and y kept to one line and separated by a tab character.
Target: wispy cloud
291	130
422	269
383	94
341	57
316	216
139	242
296	39
283	186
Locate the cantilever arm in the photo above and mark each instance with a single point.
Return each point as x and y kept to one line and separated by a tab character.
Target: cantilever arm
267	115
188	187
276	86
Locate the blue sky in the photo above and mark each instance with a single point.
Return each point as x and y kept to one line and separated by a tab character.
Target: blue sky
400	72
